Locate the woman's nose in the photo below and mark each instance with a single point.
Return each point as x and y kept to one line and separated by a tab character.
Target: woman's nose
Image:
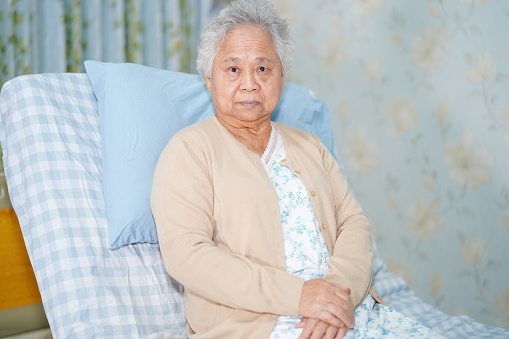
249	82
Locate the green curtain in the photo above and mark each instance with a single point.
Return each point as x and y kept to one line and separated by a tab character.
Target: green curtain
58	35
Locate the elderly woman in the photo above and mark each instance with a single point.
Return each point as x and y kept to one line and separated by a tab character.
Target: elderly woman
254	218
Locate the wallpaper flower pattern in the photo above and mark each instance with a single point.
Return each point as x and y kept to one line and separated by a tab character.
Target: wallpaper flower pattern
419	96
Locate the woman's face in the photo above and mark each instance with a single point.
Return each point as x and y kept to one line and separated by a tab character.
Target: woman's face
247	78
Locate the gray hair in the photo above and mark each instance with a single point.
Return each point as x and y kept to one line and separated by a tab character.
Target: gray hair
258	13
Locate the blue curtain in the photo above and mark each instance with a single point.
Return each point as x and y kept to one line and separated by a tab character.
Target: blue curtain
58	35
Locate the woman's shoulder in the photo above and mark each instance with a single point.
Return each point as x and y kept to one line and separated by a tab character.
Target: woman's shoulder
199	131
191	142
194	138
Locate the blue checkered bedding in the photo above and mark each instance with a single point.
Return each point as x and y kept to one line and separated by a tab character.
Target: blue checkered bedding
52	158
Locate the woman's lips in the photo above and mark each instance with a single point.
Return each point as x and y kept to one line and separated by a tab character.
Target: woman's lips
249	104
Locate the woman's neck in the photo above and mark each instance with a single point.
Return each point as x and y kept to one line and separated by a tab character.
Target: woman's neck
254	135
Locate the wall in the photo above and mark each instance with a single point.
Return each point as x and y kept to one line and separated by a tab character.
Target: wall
418	91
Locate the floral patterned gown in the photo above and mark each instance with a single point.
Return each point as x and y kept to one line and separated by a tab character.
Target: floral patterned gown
307	256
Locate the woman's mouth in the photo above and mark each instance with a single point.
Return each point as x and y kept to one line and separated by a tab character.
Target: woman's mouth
249	104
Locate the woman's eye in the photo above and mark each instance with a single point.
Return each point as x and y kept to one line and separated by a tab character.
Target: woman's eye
262	69
233	69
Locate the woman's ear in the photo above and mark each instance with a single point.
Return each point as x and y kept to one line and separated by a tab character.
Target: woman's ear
208	82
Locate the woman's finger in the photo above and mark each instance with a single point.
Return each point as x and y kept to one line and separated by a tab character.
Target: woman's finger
339	316
301	324
346	314
308	326
331	332
341	333
319	330
328	302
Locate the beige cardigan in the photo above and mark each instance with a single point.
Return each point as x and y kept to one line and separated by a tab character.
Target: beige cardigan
218	223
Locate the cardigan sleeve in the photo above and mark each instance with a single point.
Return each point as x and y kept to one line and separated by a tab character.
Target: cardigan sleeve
182	205
351	263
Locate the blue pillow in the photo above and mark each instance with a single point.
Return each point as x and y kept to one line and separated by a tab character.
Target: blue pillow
140	109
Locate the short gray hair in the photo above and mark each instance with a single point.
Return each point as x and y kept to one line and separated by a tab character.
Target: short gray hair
258	13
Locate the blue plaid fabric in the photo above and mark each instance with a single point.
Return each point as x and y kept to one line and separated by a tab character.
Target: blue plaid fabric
52	158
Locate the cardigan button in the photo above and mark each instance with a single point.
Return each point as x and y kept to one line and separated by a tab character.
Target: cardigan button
313	193
297	171
324	227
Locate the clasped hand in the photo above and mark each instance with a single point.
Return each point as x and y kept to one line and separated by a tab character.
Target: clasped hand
326	309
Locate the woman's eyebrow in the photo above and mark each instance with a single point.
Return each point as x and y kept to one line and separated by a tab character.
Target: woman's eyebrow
264	59
230	59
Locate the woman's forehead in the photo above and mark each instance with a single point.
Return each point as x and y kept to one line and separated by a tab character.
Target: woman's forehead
247	42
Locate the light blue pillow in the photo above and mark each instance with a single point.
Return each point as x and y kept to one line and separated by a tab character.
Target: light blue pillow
140	109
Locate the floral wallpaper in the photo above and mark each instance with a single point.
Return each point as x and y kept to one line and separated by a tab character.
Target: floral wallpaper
418	91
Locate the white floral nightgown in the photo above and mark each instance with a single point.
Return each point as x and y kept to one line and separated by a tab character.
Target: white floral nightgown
307	256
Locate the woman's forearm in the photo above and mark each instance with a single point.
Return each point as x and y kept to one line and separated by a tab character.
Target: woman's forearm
351	263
